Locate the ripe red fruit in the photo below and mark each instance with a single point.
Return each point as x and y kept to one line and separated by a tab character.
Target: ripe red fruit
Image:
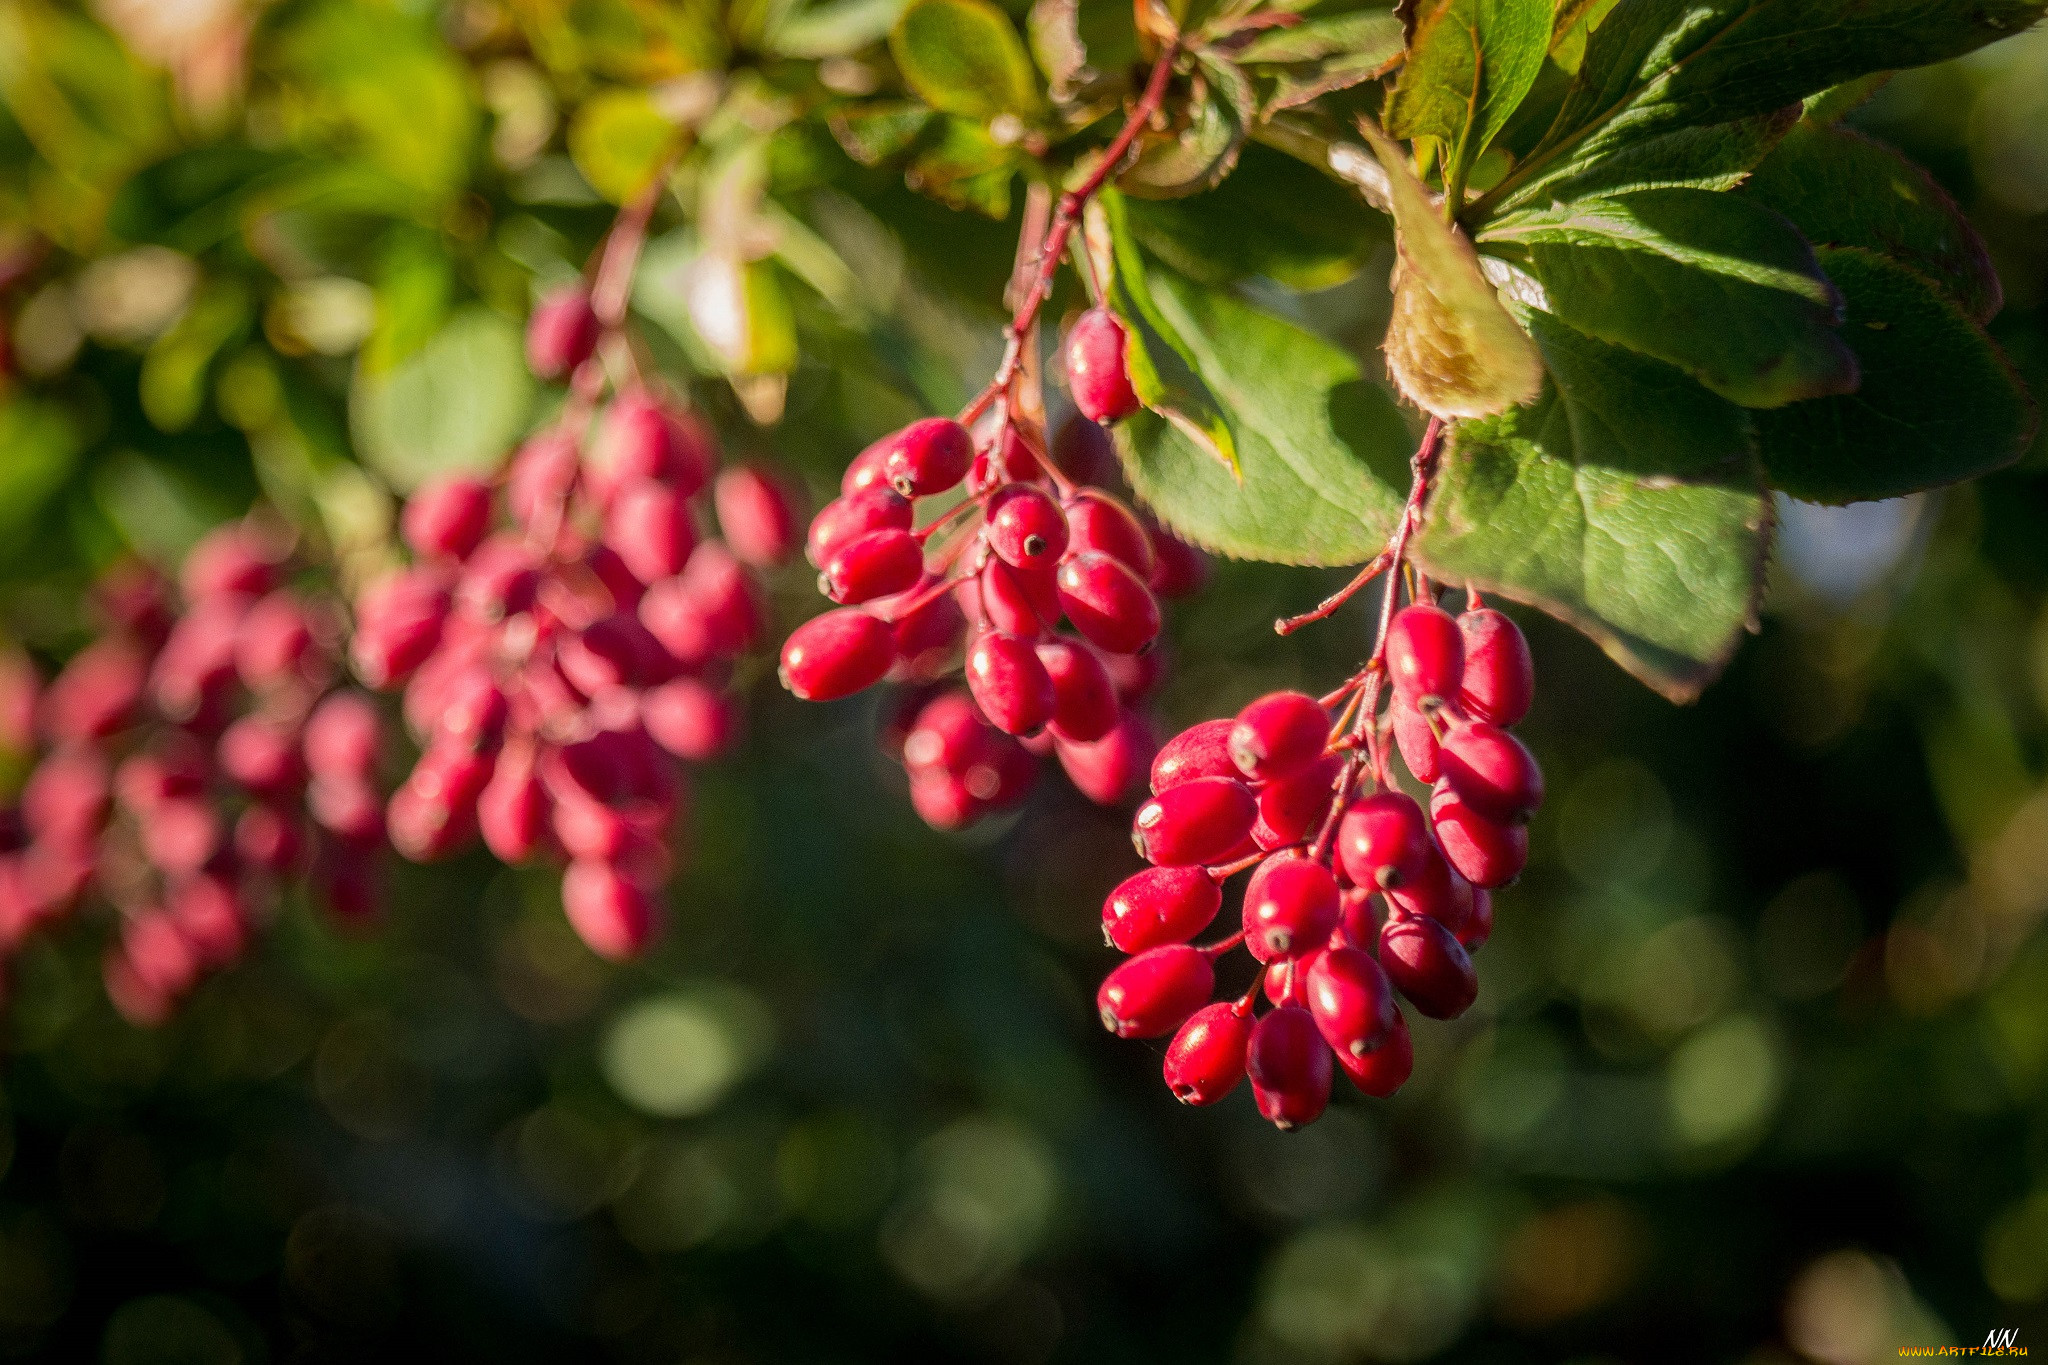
1487	853
946	735
512	809
1383	840
66	798
181	835
96	693
1500	677
836	655
1026	528
210	918
348	808
639	437
1492	772
757	515
1386	1068
447	516
1201	750
229	561
274	643
1278	735
721	586
929	456
1096	521
1290	1067
1293	808
1416	741
343	736
1110	769
1010	685
1290	907
878	564
1479	924
1439	894
878	508
1178	568
261	755
1427	964
1205	1060
1154	992
1021	601
691	719
1107	602
1195	823
194	672
398	623
607	909
562	332
268	837
1084	704
538	481
1158	906
1098	372
648	526
1350	1000
1425	652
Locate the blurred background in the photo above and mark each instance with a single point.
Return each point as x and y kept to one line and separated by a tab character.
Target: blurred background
1759	1068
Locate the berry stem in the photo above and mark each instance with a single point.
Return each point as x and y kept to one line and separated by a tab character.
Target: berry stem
1289	624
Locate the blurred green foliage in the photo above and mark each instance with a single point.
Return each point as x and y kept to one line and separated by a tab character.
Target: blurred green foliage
1759	1070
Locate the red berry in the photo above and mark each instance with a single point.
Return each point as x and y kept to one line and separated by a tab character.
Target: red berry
1427	964
1021	601
1439	893
1010	685
929	456
261	755
613	916
1206	1058
1479	924
1096	521
1195	823
1290	907
1492	772
347	807
159	955
1084	704
612	652
1178	568
512	810
500	579
879	508
538	481
1111	769
96	693
943	801
398	623
1107	602
1084	450
1386	1068
195	671
1383	840
648	526
66	798
447	516
1201	750
1278	735
274	643
181	835
836	655
1154	992
1425	652
269	838
1026	528
1359	914
343	736
948	735
691	719
1500	677
721	586
640	437
1136	675
1290	1067
210	918
1415	739
1098	372
1158	906
434	811
1488	853
562	332
928	636
878	564
1292	808
229	561
757	515
1350	1000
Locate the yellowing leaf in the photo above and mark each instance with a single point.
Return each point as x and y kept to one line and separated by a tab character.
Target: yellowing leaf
1452	347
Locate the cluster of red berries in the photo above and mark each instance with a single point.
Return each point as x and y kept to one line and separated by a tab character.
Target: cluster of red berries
1353	896
1030	538
176	749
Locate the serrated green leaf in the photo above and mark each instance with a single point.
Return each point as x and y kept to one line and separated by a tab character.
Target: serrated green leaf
618	139
1625	501
1722	288
1469	65
1366	33
1660	64
1839	188
1205	142
1272	216
1319	448
1163	363
1718	157
964	57
1451	345
458	403
1939	403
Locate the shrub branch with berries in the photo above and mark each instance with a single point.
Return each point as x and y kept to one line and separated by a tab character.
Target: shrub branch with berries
1644	282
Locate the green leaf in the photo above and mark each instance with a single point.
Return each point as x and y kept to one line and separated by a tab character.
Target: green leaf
1625	501
962	166
175	369
1077	43
1469	64
458	403
1272	216
42	448
1841	189
1451	346
1203	145
1659	64
836	29
1720	287
1718	157
964	57
1939	402
1838	101
1314	59
1163	363
1320	449
618	139
874	133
